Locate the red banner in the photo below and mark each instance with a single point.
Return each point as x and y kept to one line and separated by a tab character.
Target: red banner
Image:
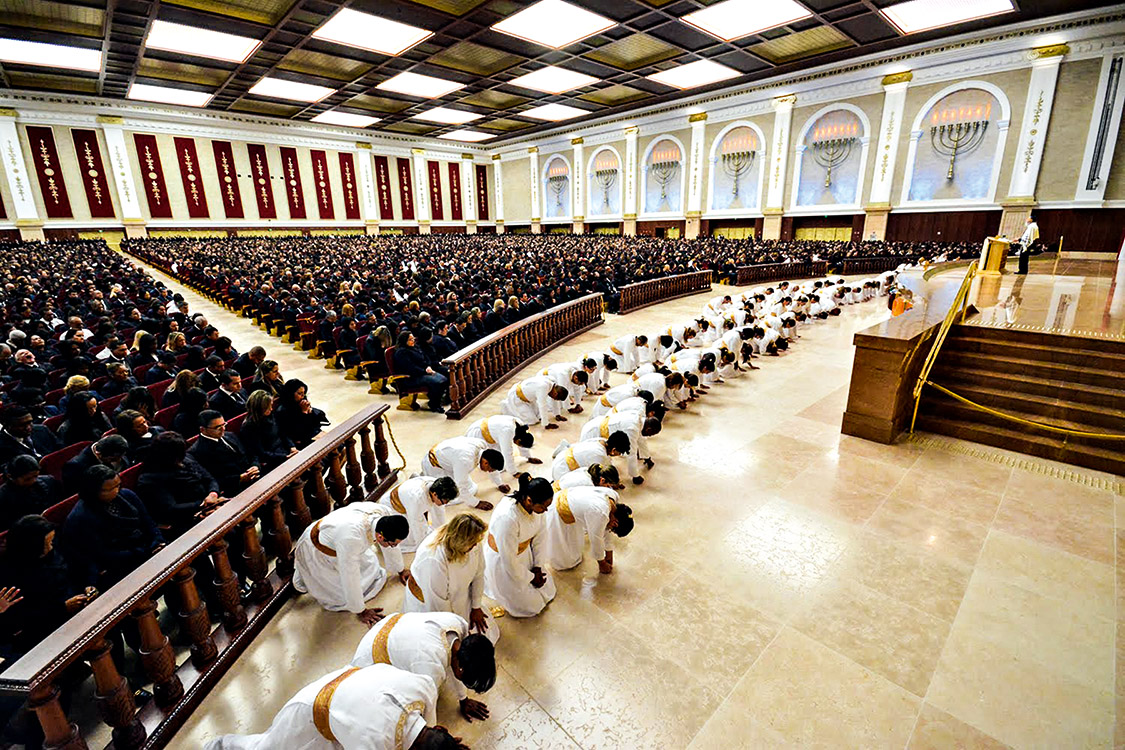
228	179
263	188
92	172
191	178
294	192
323	185
455	191
383	188
49	171
153	174
347	174
405	189
434	171
482	192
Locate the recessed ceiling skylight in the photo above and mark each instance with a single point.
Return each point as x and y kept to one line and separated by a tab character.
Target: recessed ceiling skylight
347	119
698	73
553	80
735	19
281	88
923	15
168	95
50	55
554	23
190	40
447	116
467	136
363	30
415	84
554	112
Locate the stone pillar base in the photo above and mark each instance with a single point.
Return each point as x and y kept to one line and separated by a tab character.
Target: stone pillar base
875	222
471	227
629	227
31	230
578	227
371	228
135	229
771	227
691	227
1014	217
536	227
500	227
423	227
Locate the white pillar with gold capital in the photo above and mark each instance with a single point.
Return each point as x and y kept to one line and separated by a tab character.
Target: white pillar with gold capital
890	129
369	198
695	175
15	170
132	215
498	194
578	186
421	191
629	210
1036	117
468	193
775	195
533	170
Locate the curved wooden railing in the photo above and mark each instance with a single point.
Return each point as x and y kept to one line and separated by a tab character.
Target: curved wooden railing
265	565
877	264
478	369
763	272
645	293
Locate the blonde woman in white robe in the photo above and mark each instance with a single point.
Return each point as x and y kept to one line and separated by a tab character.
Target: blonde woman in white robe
335	560
448	574
515	575
585	512
505	434
536	400
422	501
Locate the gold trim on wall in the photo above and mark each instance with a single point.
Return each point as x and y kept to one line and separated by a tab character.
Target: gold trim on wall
894	78
697	117
1053	50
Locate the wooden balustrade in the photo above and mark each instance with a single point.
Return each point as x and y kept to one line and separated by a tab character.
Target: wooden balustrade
645	293
746	275
878	264
478	369
265	560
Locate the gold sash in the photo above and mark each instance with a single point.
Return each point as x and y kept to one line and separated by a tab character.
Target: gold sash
519	549
555	486
415	589
604	429
616	351
563	508
605	401
314	537
379	652
396	501
545	371
519	392
323	702
484	433
636	376
571	461
433	458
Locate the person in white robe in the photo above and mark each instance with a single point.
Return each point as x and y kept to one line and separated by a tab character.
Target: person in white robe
603	365
571	376
448	574
637	427
627	351
422	501
585	512
668	387
660	346
505	434
537	399
613	397
437	645
594	475
514	558
719	305
335	560
458	457
572	456
372	708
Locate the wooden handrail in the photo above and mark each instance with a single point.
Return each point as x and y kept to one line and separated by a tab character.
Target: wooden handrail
478	369
645	293
762	272
277	500
873	264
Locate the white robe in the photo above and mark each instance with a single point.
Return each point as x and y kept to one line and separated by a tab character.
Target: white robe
560	374
458	457
653	382
624	350
577	513
514	545
570	457
627	422
448	586
346	581
576	478
376	708
417	642
529	401
599	378
611	398
501	436
412	499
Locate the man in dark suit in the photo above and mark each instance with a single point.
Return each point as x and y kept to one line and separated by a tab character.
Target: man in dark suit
209	378
19	436
110	451
247	363
222	455
120	381
229	400
163	369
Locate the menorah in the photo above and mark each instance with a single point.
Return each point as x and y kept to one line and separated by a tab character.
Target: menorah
663	172
956	138
556	185
830	153
605	178
735	164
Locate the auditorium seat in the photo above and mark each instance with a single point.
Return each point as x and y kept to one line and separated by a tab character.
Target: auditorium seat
52	463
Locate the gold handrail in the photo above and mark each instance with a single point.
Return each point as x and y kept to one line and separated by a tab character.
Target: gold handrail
961	300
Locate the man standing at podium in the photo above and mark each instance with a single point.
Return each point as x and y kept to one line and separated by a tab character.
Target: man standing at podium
1029	237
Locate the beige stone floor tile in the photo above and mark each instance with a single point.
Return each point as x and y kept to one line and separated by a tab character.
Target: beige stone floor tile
730	729
937	730
944	494
978	472
809	431
816	698
882	634
1063	514
706	629
619	593
1075	582
505	698
904	453
830	409
850	488
923	580
527	728
1119	660
916	525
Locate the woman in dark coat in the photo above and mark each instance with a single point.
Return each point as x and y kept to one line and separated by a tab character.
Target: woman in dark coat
260	435
84	422
298	420
175	489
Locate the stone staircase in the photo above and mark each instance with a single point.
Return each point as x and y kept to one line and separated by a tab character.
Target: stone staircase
1064	381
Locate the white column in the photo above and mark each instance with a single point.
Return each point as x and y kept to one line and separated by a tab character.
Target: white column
782	121
890	132
695	164
629	174
497	194
1102	138
533	170
368	191
578	184
421	190
15	169
1036	117
468	193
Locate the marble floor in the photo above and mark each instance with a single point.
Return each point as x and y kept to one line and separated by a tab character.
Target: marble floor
785	586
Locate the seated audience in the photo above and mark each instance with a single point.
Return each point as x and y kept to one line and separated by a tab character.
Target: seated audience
175	489
84	421
111	451
222	455
26	491
260	435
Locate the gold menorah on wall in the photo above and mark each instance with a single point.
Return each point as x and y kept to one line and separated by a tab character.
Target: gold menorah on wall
832	145
956	132
664	166
736	156
605	175
558	176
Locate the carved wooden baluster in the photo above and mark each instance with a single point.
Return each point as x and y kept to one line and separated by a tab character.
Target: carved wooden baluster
279	541
338	486
193	618
297	510
58	732
354	472
367	458
382	450
320	502
226	588
157	657
254	561
114	698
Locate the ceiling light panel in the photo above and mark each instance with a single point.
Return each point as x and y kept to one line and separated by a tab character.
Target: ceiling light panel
553	80
190	40
168	95
50	55
447	116
923	15
698	73
347	119
365	31
466	136
554	112
415	84
553	23
735	19
281	88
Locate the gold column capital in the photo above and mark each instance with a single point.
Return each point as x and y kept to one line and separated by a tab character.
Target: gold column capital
698	117
783	101
496	157
1053	50
576	141
533	150
417	151
363	145
632	130
893	78
111	120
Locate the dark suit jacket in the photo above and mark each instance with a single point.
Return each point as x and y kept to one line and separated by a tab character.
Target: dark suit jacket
227	405
244	366
207	381
225	464
174	497
103	547
42	440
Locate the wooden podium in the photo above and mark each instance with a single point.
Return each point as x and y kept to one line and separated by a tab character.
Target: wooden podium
993	255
